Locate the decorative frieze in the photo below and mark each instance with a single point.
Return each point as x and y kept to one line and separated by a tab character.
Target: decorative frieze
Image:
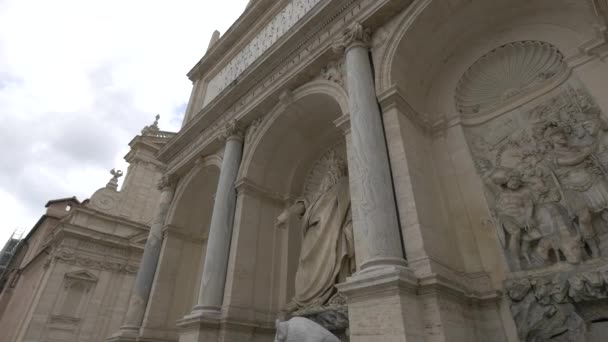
72	258
93	247
270	34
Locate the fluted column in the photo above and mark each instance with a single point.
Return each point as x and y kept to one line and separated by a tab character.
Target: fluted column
374	209
211	292
147	268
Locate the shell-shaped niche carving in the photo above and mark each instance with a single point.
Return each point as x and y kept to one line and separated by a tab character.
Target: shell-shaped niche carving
506	73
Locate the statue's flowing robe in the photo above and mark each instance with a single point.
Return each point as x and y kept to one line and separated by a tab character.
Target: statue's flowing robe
327	246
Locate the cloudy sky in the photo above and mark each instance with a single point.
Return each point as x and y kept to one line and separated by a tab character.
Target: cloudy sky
79	78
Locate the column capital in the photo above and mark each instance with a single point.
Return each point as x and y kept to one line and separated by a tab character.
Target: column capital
232	130
166	183
355	35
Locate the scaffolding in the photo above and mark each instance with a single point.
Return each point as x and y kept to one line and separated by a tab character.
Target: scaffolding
6	255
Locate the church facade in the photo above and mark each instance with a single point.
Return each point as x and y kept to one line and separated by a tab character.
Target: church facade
390	170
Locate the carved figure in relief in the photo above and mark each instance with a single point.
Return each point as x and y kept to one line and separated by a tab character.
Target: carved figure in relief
515	213
559	148
586	191
546	308
554	224
327	252
530	215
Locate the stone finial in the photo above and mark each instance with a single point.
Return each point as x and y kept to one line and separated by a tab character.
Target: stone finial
151	129
232	129
113	183
356	35
214	39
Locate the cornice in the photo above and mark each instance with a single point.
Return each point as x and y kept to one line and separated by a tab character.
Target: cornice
107	217
246	186
173	231
393	98
240	28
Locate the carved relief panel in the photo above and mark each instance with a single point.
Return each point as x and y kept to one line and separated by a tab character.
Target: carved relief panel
544	162
545	167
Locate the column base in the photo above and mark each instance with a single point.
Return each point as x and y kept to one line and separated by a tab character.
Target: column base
197	328
382	305
205	312
383	263
125	334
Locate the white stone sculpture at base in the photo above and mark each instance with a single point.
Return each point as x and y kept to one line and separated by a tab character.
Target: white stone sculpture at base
299	329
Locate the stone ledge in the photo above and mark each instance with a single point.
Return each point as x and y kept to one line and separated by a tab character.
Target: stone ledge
125	334
148	334
379	281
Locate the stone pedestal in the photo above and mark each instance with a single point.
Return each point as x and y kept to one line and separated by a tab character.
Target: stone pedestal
198	329
382	306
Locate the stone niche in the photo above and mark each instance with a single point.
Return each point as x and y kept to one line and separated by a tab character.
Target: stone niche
329	310
539	143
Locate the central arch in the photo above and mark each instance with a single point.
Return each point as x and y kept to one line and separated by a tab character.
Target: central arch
277	159
179	270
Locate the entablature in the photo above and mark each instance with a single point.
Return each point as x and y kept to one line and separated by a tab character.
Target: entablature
295	59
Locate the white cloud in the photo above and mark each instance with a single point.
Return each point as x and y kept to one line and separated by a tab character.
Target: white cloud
78	79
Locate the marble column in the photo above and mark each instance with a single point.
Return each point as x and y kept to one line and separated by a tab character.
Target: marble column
383	290
147	268
374	208
211	292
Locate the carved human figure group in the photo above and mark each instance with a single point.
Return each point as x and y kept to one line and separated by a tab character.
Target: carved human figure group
552	203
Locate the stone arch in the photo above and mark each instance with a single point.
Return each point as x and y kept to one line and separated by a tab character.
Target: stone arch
430	35
278	156
330	90
429	48
186	183
179	270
